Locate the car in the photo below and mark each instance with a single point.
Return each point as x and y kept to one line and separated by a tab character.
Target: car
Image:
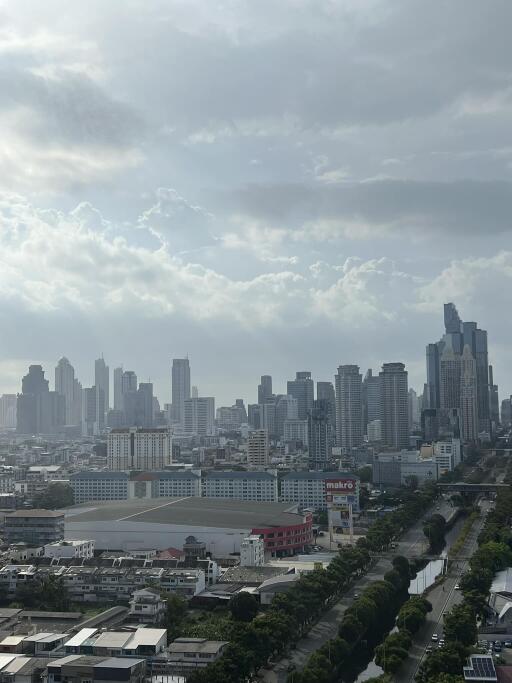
508	643
497	647
441	642
428	649
457	587
434	638
356	595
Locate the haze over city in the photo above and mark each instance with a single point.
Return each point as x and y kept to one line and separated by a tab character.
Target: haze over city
262	186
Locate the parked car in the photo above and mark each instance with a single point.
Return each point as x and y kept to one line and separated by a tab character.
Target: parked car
457	587
434	638
508	643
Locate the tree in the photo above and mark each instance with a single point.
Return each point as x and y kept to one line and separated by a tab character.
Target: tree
176	609
243	607
57	495
411	481
365	473
460	625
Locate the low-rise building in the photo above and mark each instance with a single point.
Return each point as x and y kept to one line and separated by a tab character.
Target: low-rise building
34	527
67	549
87	669
447	454
251	486
252	552
147	606
313	489
99	486
188	654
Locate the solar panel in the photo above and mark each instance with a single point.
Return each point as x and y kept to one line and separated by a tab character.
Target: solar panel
483	667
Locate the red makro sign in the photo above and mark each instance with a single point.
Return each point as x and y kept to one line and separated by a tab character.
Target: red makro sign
339	486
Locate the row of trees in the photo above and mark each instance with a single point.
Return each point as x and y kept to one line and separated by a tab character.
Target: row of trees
290	615
435	529
394	650
460	624
362	625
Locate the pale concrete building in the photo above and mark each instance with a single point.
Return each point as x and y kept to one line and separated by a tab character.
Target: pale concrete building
139	449
258	448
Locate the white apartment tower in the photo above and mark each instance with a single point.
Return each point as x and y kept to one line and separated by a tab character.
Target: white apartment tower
139	449
257	448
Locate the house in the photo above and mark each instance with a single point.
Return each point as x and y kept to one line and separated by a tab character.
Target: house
188	654
147	606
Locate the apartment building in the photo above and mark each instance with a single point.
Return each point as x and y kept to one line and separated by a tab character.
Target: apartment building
139	449
311	489
251	486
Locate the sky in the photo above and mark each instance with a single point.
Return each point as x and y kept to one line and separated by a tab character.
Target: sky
264	186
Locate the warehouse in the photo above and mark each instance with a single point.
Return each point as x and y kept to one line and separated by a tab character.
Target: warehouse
164	522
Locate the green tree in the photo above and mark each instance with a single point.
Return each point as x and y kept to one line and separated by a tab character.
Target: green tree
460	625
243	607
57	495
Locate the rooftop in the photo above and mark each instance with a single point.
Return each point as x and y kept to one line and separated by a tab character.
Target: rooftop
321	475
196	645
35	513
236	474
191	511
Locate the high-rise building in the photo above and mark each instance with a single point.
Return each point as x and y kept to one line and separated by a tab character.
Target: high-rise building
468	396
199	416
349	416
257	448
414	409
118	388
180	379
254	415
101	382
264	388
129	398
68	386
128	382
239	403
8	411
135	448
394	405
38	410
93	403
303	389
506	412
370	399
325	392
144	405
494	402
319	442
286	408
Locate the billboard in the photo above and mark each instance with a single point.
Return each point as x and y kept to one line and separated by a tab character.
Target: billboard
341	486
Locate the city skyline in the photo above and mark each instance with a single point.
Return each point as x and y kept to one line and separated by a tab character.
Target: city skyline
209	210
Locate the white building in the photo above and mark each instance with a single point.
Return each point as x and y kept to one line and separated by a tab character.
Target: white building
139	449
199	415
257	486
447	455
99	486
311	489
147	606
296	430
374	430
257	448
68	549
252	552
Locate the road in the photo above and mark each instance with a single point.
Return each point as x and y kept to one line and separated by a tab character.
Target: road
327	627
443	598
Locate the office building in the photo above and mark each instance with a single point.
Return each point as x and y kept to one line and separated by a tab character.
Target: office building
102	384
394	413
254	415
229	418
414	410
180	380
303	389
403	469
264	389
447	454
36	528
8	411
38	410
144	405
255	486
494	402
312	490
199	415
258	448
370	399
325	392
286	408
469	422
349	416
139	449
118	389
506	412
319	442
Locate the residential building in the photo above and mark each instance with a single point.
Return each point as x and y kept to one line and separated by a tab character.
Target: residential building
180	381
374	431
87	669
70	388
134	448
296	430
349	415
310	489
257	486
286	408
34	527
319	442
469	421
189	654
99	486
413	409
69	549
258	448
370	399
147	606
394	413
168	484
303	389
199	415
8	411
252	552
118	389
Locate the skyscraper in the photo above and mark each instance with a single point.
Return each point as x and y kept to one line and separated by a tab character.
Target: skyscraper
118	388
303	389
199	415
8	411
349	416
144	405
264	388
468	396
370	399
68	386
319	442
101	382
394	405
39	411
257	448
180	376
494	402
325	392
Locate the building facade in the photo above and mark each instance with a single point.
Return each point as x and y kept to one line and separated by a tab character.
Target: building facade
349	415
258	448
310	489
394	408
34	527
255	486
139	449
